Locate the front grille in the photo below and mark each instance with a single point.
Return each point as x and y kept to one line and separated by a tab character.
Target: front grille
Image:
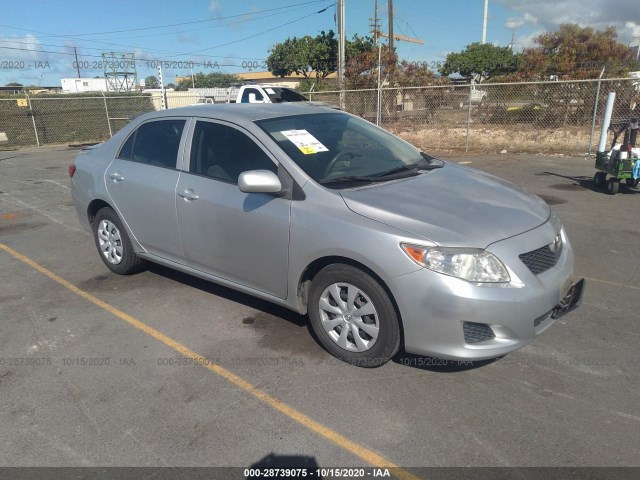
541	260
477	332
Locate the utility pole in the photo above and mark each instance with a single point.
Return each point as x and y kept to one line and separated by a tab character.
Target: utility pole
163	92
484	22
513	39
375	31
77	64
341	51
391	52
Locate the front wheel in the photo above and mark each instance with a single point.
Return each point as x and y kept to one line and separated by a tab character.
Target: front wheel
632	182
599	178
353	316
114	245
613	185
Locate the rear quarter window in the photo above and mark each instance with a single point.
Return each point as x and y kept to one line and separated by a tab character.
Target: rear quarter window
126	151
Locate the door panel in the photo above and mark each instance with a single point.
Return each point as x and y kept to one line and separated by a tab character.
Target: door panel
142	184
145	198
242	237
238	236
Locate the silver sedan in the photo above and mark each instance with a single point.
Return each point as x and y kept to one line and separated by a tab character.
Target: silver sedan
382	245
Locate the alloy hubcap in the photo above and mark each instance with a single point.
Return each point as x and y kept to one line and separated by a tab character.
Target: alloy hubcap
349	317
110	242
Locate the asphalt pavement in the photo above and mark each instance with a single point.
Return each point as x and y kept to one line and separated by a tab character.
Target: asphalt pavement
164	369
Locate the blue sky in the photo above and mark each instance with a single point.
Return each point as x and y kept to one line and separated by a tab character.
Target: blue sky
37	36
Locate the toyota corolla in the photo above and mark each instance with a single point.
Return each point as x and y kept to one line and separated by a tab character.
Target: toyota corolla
382	245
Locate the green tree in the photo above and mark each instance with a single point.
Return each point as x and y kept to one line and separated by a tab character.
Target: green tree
576	52
361	71
151	82
313	57
203	80
13	84
481	61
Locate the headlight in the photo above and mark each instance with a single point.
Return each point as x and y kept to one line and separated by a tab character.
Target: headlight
471	264
555	221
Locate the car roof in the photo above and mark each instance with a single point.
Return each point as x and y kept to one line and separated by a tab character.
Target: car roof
242	112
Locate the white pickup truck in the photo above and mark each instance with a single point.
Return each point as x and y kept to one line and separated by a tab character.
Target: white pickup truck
253	94
257	94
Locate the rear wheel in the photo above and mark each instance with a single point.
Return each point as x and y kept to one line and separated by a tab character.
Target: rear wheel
599	178
613	185
632	182
353	316
114	245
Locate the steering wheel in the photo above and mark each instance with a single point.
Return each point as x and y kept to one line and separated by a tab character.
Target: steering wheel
337	158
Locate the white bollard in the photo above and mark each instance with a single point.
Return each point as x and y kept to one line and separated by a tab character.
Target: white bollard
611	98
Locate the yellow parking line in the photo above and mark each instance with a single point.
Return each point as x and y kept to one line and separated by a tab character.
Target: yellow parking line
369	456
615	284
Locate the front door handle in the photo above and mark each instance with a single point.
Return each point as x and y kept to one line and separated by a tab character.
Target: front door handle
116	176
189	194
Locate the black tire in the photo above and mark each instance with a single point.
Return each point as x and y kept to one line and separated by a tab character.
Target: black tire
387	342
128	262
599	179
631	182
613	185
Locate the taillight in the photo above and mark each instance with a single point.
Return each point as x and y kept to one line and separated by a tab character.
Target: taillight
72	170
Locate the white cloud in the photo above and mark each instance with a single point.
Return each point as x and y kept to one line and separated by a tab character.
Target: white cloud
598	14
214	7
23	48
517	22
514	22
634	27
526	41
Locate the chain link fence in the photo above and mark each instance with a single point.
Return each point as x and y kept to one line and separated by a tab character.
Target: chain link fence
532	117
74	119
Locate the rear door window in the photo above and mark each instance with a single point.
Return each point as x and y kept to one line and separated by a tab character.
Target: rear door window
157	143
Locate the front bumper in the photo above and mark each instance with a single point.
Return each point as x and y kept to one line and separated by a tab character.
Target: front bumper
437	310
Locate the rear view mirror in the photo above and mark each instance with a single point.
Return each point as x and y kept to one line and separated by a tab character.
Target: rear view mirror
259	181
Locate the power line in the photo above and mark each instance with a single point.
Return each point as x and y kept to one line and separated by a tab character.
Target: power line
179	24
203	28
142	59
257	34
166	51
4	41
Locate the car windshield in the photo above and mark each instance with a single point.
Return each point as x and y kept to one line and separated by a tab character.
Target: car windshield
338	150
278	94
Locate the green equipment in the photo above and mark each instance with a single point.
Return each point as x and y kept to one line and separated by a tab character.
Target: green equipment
621	160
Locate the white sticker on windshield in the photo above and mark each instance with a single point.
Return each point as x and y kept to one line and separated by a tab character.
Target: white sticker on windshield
305	142
270	91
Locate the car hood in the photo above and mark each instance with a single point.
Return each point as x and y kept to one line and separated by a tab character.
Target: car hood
452	205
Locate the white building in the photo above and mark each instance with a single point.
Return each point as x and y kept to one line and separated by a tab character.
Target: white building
80	85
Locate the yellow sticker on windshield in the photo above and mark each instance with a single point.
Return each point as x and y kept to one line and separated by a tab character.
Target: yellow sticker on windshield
306	143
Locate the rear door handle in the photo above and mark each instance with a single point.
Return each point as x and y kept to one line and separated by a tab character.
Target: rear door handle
116	176
189	194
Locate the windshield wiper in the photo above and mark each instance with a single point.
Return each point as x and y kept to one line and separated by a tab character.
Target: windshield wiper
351	178
425	164
402	171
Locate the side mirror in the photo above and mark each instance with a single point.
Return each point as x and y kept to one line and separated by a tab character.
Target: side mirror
252	98
259	181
